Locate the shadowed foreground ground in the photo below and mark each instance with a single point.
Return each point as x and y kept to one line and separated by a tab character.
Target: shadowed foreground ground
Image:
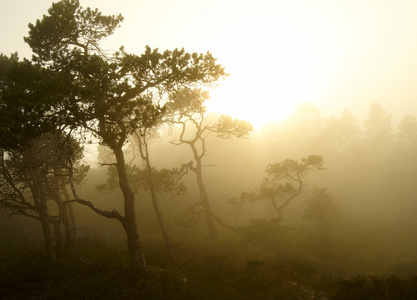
25	274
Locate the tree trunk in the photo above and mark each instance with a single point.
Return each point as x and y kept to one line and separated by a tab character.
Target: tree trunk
157	211
40	201
71	215
54	190
205	201
129	221
49	241
64	215
56	223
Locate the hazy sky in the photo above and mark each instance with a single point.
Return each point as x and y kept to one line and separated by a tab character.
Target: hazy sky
335	54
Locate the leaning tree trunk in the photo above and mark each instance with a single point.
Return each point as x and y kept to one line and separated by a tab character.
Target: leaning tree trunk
129	221
144	153
158	212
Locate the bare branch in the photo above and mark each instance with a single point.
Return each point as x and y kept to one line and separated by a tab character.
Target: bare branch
107	164
111	215
108	214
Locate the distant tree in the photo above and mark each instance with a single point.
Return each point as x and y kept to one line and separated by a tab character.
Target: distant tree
307	120
408	129
350	123
108	95
341	132
284	182
378	125
186	108
319	206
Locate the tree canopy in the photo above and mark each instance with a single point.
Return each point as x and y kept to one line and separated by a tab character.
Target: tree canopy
72	85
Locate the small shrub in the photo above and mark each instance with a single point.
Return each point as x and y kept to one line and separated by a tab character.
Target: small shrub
374	287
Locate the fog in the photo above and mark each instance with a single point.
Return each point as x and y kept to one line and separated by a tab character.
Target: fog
292	177
370	176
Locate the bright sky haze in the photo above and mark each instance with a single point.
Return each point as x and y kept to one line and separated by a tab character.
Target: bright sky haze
337	55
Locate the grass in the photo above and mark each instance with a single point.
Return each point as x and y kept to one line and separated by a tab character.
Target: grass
26	274
225	269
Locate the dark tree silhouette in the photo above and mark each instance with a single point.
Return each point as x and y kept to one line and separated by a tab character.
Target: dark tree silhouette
29	106
32	178
108	95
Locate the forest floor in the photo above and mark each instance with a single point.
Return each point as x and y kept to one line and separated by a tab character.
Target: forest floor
203	270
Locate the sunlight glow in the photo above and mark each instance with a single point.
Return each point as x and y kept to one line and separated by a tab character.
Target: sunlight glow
334	54
274	64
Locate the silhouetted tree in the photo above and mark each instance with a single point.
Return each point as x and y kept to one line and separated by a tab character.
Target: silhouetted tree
284	182
29	95
29	102
6	63
32	178
187	109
